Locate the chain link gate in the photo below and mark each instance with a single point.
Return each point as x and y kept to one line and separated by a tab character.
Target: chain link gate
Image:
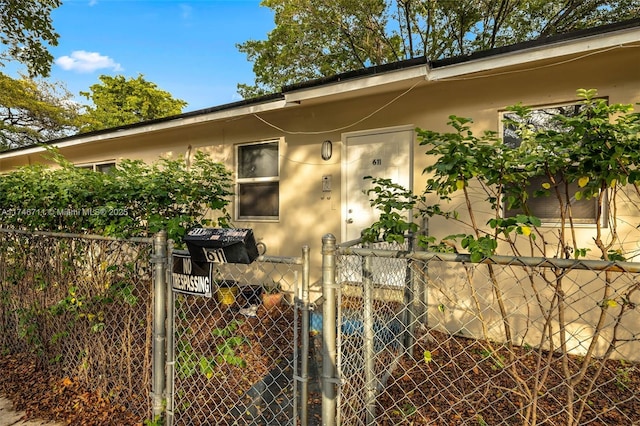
235	359
507	341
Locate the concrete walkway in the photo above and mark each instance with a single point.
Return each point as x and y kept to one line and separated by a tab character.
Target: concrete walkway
10	417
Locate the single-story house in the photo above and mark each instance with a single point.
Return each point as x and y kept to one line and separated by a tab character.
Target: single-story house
303	152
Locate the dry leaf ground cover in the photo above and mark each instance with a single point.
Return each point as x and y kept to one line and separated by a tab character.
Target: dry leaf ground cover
227	355
41	395
461	384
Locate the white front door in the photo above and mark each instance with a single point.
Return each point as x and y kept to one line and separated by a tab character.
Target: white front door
380	153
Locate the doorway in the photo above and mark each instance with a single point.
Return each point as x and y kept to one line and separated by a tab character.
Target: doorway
380	153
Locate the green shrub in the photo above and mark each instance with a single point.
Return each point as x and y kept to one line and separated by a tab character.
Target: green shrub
132	199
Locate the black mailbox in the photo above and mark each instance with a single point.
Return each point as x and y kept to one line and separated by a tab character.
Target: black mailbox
221	245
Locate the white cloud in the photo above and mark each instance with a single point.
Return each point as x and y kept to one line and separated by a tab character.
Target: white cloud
186	11
86	62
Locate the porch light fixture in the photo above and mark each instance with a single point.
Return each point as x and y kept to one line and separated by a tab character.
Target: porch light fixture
326	150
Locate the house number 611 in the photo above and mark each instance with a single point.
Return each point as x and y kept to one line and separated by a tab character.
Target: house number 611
377	162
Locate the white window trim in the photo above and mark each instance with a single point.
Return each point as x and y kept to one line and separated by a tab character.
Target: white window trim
240	181
547	222
95	165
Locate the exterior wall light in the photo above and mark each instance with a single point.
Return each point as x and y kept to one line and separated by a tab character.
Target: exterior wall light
326	150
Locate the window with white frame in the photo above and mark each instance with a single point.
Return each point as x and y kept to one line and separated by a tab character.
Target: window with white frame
545	208
258	181
101	167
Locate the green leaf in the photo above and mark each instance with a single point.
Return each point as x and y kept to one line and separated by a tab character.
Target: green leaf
117	101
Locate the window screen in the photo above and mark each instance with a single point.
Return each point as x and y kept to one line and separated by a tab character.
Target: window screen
99	167
547	209
258	195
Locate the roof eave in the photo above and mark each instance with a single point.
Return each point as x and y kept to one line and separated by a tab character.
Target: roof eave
374	82
378	78
396	76
187	119
588	45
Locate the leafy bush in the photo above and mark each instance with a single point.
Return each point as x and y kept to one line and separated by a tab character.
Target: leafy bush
486	187
600	154
132	199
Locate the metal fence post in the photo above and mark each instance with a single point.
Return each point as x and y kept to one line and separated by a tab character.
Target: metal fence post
410	300
369	338
329	330
159	261
304	397
170	365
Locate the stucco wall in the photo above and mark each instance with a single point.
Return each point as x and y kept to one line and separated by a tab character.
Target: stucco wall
306	213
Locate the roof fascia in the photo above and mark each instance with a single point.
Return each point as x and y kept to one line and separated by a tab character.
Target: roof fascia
179	121
356	84
553	49
585	45
362	85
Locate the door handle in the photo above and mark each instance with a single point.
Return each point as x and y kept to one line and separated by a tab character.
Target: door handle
349	220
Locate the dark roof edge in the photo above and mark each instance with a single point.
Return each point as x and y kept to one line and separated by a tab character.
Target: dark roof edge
408	63
378	69
362	72
245	102
556	38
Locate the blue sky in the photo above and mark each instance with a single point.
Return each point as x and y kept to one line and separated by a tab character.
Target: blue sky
185	47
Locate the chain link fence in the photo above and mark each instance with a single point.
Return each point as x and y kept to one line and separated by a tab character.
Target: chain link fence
420	338
92	311
82	306
428	338
238	358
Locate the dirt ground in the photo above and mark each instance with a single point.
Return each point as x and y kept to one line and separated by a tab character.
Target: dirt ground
39	395
461	384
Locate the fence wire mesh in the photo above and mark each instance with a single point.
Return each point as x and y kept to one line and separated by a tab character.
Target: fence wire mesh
236	354
440	340
82	307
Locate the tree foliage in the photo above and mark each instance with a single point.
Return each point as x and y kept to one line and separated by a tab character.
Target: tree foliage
34	111
118	101
132	199
26	31
598	159
593	154
31	110
315	38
